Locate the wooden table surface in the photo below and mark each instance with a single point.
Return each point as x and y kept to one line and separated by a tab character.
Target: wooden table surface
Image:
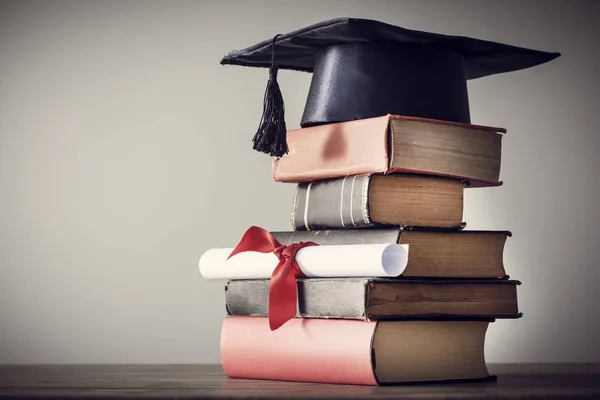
515	381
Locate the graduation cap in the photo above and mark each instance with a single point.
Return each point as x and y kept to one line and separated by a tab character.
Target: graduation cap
364	68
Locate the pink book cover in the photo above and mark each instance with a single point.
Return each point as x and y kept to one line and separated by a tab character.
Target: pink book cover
303	350
332	150
345	149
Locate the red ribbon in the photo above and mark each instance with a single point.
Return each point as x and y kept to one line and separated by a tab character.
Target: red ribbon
283	292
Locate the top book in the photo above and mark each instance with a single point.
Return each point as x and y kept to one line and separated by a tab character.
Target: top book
392	143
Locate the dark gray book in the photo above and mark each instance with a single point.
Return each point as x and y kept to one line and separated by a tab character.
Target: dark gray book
382	298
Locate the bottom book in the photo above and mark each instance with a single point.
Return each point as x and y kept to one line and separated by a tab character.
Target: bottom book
354	352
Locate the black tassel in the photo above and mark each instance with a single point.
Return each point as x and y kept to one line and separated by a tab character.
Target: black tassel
270	138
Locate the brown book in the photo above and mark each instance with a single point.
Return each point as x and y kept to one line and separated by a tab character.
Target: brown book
389	144
369	200
433	253
382	298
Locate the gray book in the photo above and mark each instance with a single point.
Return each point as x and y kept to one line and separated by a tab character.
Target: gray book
334	237
375	200
382	298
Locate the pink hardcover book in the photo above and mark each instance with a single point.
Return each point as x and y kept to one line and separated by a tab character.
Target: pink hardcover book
389	144
354	352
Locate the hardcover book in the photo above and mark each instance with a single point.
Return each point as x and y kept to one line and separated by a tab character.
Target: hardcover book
381	298
433	253
392	143
354	352
370	200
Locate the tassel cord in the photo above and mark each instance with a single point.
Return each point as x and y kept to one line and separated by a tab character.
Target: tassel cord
270	137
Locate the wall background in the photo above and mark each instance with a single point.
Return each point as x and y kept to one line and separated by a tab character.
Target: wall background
125	153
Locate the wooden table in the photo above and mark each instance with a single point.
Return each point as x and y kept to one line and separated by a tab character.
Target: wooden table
524	381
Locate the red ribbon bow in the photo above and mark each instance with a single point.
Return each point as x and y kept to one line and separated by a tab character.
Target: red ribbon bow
283	292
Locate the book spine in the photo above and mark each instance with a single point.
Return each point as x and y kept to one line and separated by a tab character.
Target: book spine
341	236
302	350
332	203
317	298
334	150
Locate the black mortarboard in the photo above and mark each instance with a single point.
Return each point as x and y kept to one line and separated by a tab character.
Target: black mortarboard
363	68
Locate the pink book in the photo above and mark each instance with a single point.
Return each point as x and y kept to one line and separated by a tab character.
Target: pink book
392	144
354	352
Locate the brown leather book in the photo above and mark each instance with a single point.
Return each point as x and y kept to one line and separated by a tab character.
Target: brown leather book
382	298
433	253
370	200
390	144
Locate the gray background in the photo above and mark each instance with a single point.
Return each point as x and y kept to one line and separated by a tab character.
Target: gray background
125	153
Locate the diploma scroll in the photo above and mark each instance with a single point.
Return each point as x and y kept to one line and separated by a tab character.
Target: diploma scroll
334	261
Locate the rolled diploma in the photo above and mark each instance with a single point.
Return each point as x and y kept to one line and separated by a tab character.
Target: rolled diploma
335	261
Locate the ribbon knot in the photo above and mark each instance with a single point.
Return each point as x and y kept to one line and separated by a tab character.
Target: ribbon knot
283	290
282	251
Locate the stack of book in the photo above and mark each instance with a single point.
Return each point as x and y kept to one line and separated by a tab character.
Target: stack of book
378	280
426	324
